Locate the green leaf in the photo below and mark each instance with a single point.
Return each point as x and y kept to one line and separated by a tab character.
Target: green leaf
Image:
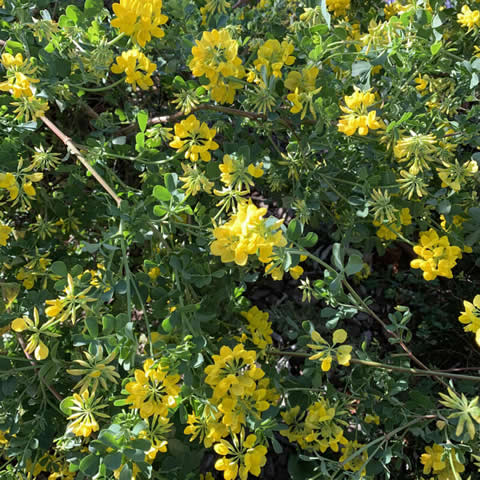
294	230
141	444
126	473
92	326
354	264
434	49
337	256
309	240
171	181
89	465
59	268
161	193
360	68
113	460
142	119
73	13
93	7
66	404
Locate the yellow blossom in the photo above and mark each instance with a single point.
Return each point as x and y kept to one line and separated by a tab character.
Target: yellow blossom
139	19
215	56
259	326
153	391
468	18
137	67
437	256
194	138
471	317
302	86
273	55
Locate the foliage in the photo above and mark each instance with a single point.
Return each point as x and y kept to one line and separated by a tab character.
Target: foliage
236	239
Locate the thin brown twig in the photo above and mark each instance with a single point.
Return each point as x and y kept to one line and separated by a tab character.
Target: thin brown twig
72	147
35	365
177	115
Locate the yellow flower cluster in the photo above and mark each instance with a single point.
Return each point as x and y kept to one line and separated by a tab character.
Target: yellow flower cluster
137	67
390	231
139	19
5	231
302	86
246	233
153	391
417	151
441	462
35	343
327	351
236	175
454	175
468	18
240	457
84	408
316	429
215	56
259	326
357	115
194	138
338	7
273	55
19	84
438	257
349	449
471	317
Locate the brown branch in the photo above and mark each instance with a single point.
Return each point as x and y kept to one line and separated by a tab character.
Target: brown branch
129	129
71	146
35	365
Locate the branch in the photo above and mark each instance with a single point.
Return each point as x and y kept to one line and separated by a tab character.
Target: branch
71	146
129	129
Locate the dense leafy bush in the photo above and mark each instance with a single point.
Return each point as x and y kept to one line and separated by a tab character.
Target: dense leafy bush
239	240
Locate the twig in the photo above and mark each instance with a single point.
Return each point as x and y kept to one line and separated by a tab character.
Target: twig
68	142
177	115
34	364
395	368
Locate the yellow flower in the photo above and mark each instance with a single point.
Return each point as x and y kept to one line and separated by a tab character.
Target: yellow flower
302	86
156	432
357	116
139	19
246	233
5	231
194	138
10	61
326	352
338	7
405	217
471	317
234	372
369	418
468	18
215	56
8	181
454	175
273	55
259	326
19	85
438	257
418	150
322	429
137	67
356	463
422	83
154	391
437	461
236	175
195	180
84	409
206	426
241	457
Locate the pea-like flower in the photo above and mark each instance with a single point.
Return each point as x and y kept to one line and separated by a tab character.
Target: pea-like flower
437	256
471	317
137	67
327	351
194	138
84	407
